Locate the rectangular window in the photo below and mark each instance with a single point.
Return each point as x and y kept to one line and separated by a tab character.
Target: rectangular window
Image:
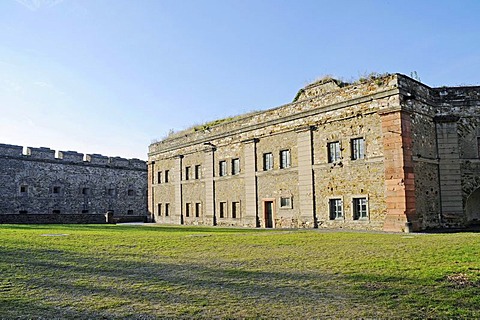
198	209
187	173
23	189
360	210
111	192
166	176
358	148
187	209
198	172
235	209
223	210
284	159
267	161
159	177
130	212
478	146
222	168
85	191
167	209
56	190
286	202
159	209
336	209
333	151
235	166
130	192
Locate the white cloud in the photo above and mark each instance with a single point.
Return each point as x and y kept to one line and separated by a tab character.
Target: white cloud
37	4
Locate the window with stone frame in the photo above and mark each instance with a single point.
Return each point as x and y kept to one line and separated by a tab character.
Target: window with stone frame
267	161
235	166
285	159
360	208
222	210
130	192
187	209
56	190
167	209
334	152
111	192
86	191
222	168
159	177
159	209
166	176
235	209
478	147
198	209
357	147
198	171
187	173
23	189
336	208
285	202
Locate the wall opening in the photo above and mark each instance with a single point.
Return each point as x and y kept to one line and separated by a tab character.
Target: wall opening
472	207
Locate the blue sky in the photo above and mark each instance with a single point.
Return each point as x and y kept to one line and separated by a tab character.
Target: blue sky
111	76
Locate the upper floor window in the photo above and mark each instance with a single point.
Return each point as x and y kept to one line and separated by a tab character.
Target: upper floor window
187	173
358	148
360	209
198	171
56	190
23	189
222	168
159	177
111	192
130	192
336	209
235	166
478	146
166	175
267	161
333	151
85	191
284	159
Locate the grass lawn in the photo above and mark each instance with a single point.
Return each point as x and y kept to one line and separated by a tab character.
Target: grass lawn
147	272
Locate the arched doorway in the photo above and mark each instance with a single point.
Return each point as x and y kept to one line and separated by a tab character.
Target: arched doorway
472	207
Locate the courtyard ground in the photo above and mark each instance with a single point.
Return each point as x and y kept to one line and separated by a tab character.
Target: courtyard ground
148	272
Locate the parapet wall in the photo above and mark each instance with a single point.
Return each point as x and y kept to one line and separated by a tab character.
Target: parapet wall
70	157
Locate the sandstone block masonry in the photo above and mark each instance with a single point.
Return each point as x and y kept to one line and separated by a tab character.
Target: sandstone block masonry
385	153
40	187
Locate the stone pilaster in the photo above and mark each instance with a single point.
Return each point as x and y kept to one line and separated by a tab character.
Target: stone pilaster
305	178
177	175
399	174
209	173
449	168
251	212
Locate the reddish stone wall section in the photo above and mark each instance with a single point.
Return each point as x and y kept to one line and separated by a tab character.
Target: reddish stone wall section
399	176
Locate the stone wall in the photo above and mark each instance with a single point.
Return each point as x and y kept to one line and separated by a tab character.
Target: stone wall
39	187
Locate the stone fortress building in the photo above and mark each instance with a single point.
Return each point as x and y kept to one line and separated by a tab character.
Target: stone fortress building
384	153
38	187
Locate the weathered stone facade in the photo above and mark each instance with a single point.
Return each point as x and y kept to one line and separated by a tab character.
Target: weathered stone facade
387	153
38	187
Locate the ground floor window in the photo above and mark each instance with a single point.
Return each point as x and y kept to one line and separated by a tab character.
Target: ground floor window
198	209
360	209
235	210
336	209
223	210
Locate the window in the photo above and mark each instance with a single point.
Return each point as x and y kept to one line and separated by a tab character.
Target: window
130	212
235	166
187	173
56	190
357	148
166	176
223	210
85	211
284	159
198	209
222	168
23	211
159	209
23	189
478	146
285	202
167	209
159	177
267	161
86	191
130	192
360	208
336	209
111	192
198	171
333	151
187	209
235	210
55	211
